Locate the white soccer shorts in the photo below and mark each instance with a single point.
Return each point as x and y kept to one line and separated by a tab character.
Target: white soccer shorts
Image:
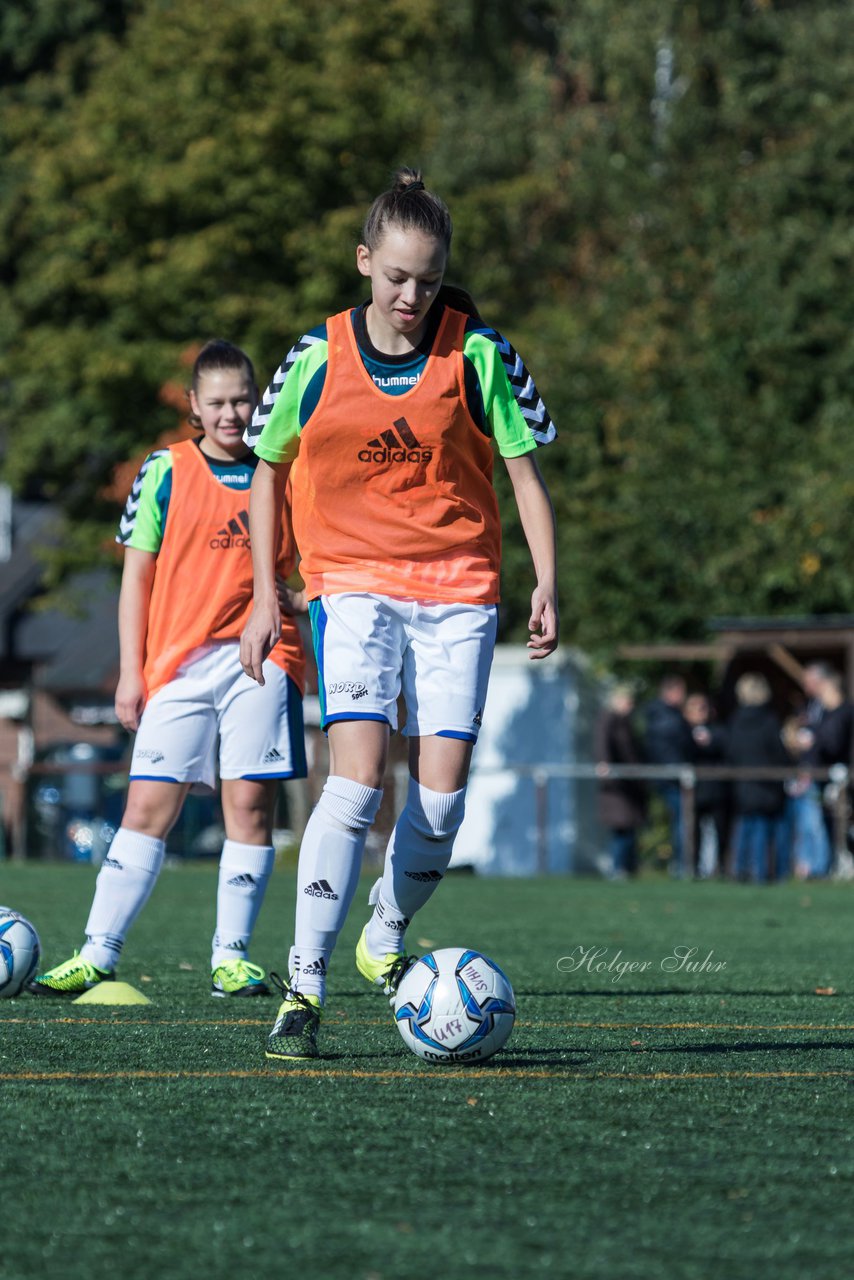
370	648
210	701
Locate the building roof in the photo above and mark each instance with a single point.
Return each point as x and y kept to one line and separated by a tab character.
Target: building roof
808	622
35	525
67	652
77	652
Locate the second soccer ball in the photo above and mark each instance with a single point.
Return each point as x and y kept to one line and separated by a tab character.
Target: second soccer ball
19	953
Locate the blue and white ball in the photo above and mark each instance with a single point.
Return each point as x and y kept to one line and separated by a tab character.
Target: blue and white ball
20	951
454	1005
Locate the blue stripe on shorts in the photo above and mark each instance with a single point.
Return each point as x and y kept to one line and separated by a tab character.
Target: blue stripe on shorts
151	777
317	615
296	728
354	715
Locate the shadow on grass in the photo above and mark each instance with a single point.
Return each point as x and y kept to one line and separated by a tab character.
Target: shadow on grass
535	1058
547	1056
750	1046
656	993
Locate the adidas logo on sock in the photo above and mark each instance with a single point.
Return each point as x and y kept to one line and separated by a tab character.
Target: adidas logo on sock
244	881
400	925
111	941
321	889
388	447
424	877
112	862
272	756
315	968
239	945
234	534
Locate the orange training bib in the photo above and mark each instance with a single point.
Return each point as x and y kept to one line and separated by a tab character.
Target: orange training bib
203	576
393	494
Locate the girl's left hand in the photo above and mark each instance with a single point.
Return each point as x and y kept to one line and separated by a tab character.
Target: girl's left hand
290	601
543	624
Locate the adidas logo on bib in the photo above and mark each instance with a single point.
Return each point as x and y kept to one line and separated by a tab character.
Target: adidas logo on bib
234	534
388	447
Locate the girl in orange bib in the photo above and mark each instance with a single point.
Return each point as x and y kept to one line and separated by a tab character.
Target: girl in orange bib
389	412
186	594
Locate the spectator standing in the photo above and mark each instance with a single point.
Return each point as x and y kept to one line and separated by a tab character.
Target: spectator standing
834	732
712	796
668	741
622	801
808	837
812	838
814	676
754	741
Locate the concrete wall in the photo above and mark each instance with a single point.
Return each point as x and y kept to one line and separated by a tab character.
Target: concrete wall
537	714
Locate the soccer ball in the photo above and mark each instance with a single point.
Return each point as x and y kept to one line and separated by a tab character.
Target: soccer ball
454	1005
20	951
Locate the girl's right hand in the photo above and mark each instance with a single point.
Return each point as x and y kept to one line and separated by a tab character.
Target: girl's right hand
543	624
259	636
130	702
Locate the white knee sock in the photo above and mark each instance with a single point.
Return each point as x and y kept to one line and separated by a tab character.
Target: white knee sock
126	878
330	860
416	859
244	870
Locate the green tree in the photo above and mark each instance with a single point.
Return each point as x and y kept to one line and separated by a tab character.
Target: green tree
35	35
653	202
211	178
705	377
206	181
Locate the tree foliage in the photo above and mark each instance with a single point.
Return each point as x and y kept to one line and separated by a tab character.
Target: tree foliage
652	200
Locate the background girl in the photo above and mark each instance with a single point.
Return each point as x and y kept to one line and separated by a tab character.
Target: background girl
185	596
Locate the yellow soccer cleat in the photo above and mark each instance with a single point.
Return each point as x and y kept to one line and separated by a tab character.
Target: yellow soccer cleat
385	973
238	978
71	978
294	1035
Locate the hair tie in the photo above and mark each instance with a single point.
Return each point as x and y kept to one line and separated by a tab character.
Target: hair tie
415	185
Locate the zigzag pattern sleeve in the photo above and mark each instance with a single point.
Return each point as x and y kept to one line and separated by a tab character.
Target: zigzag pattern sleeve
262	413
528	398
128	520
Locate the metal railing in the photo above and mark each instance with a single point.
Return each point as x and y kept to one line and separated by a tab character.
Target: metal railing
838	777
686	775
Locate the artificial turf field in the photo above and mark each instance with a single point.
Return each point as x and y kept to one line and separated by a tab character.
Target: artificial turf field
643	1124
